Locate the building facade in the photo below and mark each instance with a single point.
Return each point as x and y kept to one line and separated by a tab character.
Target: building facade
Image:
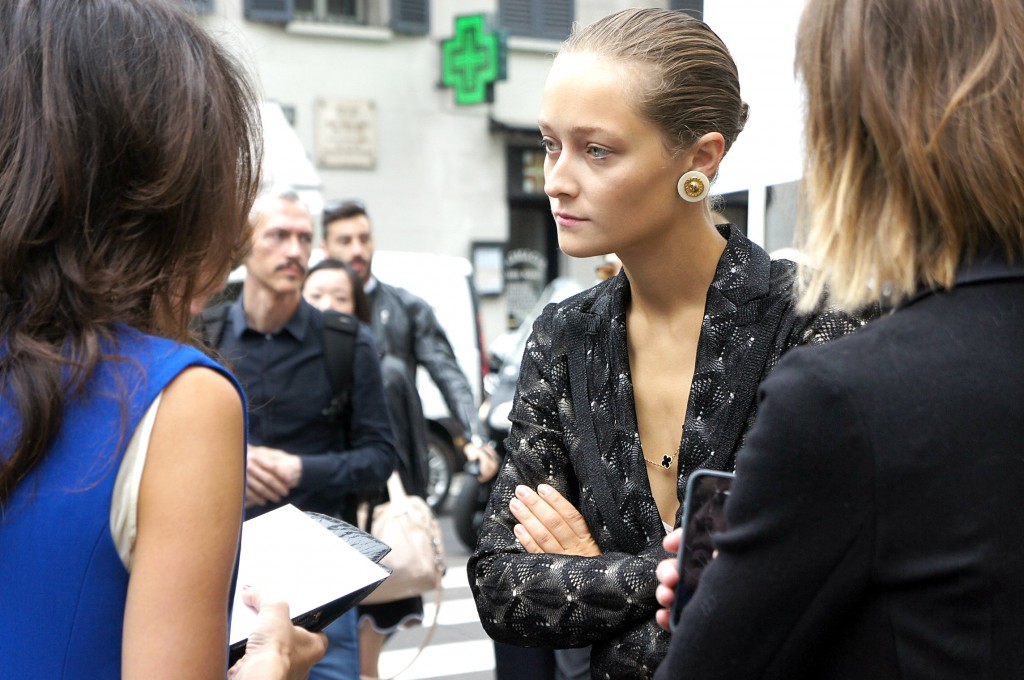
360	82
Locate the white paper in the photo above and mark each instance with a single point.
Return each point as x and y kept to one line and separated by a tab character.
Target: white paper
290	556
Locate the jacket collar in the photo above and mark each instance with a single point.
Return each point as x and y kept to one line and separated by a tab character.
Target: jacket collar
991	265
742	276
296	325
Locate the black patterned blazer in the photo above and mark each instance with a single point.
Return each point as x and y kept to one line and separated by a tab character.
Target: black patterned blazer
574	427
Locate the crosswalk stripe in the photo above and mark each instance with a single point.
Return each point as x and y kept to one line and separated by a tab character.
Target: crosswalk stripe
452	658
453	612
455	577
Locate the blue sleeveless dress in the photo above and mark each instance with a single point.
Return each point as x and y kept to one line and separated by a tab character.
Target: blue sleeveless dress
62	584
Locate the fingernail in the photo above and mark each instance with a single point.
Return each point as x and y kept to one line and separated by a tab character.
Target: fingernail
544	490
524	491
516	504
519	530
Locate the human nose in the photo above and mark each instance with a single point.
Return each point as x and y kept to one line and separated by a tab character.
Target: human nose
558	177
294	247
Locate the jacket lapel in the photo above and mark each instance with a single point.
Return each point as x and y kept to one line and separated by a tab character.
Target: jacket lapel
598	464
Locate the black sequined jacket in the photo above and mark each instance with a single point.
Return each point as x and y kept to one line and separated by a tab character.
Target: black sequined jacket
574	427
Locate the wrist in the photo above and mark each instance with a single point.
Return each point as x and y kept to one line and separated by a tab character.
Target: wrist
266	663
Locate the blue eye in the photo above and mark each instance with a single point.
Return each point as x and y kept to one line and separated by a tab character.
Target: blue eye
597	151
548	145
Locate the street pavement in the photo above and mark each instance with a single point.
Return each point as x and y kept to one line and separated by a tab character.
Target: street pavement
460	649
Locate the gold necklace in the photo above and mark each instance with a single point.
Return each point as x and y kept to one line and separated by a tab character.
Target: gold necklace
666	462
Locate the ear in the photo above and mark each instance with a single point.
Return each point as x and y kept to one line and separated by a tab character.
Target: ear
707	152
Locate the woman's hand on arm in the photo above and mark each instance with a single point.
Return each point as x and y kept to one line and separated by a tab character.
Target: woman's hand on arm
189	516
548	523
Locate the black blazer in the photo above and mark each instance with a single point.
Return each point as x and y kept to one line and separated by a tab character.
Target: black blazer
574	427
876	529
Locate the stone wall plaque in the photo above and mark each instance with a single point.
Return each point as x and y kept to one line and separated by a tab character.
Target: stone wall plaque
346	133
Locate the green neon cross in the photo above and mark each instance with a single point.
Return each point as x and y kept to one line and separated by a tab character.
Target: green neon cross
469	60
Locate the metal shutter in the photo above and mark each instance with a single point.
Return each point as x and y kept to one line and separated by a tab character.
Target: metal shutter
276	11
410	16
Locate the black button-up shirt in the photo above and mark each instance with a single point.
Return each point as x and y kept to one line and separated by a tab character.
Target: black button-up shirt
285	379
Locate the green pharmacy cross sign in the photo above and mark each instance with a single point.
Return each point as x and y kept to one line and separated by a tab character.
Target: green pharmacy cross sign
472	60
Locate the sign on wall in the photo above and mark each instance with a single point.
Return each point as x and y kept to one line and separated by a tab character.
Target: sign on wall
346	133
473	60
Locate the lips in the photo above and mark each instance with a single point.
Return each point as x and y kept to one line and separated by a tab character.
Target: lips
564	219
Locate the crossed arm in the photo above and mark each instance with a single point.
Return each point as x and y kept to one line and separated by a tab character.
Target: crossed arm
548	523
539	575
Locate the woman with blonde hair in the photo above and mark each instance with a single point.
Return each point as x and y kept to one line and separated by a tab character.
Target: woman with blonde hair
874	526
627	388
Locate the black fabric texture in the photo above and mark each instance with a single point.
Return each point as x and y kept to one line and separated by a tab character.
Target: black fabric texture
591	453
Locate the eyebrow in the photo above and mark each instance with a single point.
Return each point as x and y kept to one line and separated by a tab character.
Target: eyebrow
577	130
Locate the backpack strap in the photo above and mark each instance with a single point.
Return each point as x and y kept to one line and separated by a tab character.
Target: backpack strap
339	354
211	321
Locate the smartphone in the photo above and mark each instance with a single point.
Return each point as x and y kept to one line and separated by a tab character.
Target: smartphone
703	516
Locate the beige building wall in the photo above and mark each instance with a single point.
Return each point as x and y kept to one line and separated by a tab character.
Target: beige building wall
438	180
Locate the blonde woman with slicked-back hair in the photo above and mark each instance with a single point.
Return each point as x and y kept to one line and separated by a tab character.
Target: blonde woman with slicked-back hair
629	387
874	527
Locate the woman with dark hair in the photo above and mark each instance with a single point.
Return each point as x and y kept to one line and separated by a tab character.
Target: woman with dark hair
332	284
627	388
874	526
129	159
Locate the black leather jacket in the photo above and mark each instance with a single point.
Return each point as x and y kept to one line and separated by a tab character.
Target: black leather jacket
406	328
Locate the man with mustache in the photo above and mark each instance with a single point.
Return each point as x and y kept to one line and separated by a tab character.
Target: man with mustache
298	454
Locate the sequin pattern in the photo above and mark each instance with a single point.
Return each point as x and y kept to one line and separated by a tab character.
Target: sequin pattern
608	601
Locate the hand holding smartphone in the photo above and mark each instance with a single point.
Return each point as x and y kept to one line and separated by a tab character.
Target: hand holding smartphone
703	516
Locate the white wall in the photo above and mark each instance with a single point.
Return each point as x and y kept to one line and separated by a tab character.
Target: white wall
760	36
439	183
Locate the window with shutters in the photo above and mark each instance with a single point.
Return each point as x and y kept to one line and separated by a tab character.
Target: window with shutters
331	11
406	16
546	19
410	16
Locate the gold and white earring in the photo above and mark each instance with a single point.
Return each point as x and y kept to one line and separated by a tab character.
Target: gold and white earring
693	186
